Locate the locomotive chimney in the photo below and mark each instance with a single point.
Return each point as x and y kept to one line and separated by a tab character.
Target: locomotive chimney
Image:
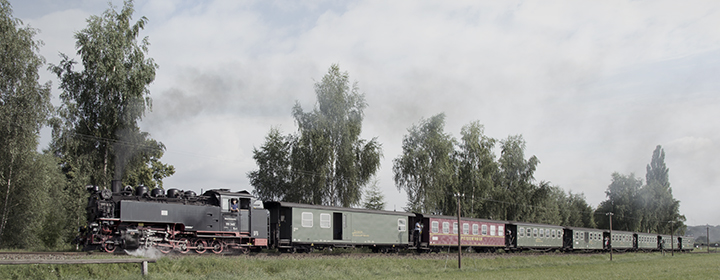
116	186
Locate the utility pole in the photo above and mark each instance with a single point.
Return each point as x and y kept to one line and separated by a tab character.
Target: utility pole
610	214
707	234
458	229
672	238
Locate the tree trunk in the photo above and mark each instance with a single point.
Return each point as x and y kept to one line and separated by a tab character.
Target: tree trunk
6	206
105	164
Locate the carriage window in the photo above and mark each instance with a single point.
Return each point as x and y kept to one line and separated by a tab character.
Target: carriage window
435	227
492	230
553	233
484	230
307	219
466	228
324	220
541	233
559	233
535	232
401	225
446	227
475	229
455	228
521	232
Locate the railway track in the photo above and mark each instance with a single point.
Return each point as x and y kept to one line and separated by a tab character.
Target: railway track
6	256
270	255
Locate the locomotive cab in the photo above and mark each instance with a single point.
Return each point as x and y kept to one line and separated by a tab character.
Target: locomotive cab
242	213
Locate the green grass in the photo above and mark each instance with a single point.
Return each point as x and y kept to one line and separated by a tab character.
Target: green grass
439	266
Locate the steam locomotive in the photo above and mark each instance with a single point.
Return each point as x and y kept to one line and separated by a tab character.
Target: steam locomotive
130	218
223	221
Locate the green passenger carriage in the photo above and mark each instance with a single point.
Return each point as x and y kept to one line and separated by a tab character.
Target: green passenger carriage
587	239
306	227
537	237
646	241
622	240
687	243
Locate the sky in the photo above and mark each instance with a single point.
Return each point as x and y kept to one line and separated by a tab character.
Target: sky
592	86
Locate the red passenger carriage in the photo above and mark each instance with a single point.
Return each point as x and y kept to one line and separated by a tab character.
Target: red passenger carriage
477	234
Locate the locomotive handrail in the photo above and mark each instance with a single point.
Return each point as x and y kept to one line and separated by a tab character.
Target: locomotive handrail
143	262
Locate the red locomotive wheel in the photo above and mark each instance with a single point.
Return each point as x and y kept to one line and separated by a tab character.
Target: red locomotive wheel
217	247
200	246
184	245
164	248
109	247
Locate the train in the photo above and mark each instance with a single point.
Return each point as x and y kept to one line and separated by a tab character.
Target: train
223	221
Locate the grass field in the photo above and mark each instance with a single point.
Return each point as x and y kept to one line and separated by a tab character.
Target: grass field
436	266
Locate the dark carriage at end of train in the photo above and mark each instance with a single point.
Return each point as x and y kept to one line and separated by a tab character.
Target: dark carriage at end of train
298	227
218	220
686	243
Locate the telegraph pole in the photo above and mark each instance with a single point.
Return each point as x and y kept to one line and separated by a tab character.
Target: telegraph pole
458	229
707	234
610	214
672	238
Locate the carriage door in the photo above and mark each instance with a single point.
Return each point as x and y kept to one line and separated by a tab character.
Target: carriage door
340	226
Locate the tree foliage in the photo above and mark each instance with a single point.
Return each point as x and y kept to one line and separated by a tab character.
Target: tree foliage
28	180
326	163
374	198
426	168
646	208
97	137
476	169
515	179
661	208
624	202
436	171
273	179
103	102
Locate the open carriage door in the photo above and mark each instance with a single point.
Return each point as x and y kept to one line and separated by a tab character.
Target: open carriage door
340	226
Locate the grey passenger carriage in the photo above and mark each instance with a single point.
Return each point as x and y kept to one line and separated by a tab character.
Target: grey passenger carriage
538	237
303	227
585	239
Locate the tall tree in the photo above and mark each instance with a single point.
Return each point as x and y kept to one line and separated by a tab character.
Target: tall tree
97	138
516	176
426	169
273	179
24	108
624	201
476	169
329	162
579	212
661	208
103	102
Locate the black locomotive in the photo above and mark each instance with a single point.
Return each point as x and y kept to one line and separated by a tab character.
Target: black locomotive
130	218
